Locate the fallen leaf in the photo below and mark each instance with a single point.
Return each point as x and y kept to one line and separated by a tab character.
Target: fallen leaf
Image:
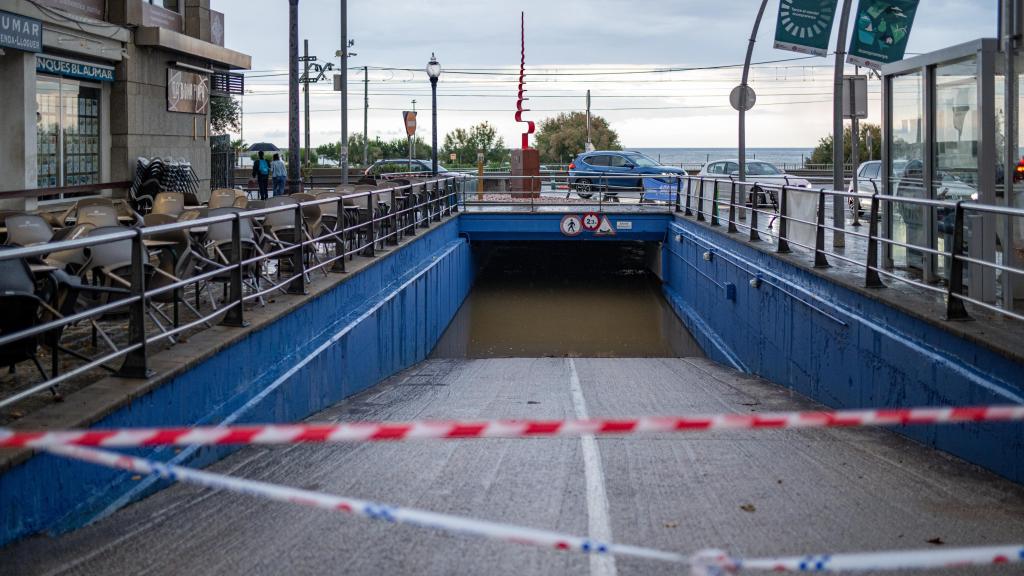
136	477
671	524
936	541
748	508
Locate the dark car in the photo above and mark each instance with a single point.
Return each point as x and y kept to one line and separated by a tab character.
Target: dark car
612	171
404	166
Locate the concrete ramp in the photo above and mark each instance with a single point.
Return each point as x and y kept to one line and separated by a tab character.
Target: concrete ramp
752	493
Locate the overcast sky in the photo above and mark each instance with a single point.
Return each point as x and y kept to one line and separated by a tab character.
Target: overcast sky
674	109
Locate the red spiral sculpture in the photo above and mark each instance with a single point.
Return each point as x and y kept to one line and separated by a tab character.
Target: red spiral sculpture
522	75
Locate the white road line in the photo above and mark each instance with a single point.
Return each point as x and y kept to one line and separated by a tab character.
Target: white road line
599	522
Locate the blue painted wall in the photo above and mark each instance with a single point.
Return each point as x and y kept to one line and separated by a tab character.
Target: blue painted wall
545	226
838	346
383	319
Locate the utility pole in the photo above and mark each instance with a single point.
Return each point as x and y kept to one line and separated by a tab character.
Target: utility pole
590	143
294	181
343	146
411	137
366	116
838	172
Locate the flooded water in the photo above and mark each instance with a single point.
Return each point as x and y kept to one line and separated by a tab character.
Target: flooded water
578	299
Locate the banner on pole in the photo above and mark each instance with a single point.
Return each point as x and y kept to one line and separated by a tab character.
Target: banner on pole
805	26
881	32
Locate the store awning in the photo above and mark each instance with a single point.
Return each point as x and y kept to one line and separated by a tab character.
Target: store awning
182	44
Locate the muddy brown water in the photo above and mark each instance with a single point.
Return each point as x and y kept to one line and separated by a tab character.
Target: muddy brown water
577	299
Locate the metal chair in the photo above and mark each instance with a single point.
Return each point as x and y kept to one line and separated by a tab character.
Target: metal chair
110	264
175	263
220	242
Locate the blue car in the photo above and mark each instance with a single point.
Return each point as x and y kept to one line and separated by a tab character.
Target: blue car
613	171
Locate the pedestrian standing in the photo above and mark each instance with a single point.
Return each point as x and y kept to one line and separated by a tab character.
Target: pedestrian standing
261	172
279	172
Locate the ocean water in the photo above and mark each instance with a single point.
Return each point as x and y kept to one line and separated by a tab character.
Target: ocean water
689	157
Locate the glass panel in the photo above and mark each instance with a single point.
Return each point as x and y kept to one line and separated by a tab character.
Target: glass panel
81	134
906	177
47	133
616	161
957	132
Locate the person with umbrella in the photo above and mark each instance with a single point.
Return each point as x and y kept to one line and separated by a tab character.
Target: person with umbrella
261	172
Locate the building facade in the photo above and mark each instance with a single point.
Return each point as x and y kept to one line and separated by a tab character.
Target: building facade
89	86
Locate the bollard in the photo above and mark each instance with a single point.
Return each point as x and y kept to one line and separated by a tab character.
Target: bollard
871	278
298	283
732	207
783	246
136	362
234	317
819	237
955	309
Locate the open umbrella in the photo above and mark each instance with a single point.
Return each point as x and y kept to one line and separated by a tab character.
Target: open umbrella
263	147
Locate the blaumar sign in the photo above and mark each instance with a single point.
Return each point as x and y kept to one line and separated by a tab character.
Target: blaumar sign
20	33
74	69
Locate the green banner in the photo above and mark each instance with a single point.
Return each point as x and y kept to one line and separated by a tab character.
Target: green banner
881	31
805	25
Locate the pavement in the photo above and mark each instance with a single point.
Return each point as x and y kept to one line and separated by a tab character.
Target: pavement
752	492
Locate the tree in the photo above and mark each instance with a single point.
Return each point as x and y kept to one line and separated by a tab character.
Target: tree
379	149
465	144
565	135
225	114
822	154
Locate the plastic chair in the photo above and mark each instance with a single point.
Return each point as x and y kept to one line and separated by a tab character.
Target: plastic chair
99	215
171	203
222	198
21	308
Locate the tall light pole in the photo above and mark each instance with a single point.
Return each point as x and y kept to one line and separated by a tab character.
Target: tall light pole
366	117
294	181
343	145
434	72
838	172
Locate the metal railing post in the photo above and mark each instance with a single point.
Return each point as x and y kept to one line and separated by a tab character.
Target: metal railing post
136	362
755	206
340	243
393	220
732	207
371	245
689	190
453	195
700	202
955	309
298	283
819	237
783	246
437	201
410	216
714	205
677	205
871	277
234	317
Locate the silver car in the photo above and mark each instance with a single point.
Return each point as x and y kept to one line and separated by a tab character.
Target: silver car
758	172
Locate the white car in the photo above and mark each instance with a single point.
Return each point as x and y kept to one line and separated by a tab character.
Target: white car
758	172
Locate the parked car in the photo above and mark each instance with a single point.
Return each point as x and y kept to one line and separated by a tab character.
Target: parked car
758	172
416	166
613	171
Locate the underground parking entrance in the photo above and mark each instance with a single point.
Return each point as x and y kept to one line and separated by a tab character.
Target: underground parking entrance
534	299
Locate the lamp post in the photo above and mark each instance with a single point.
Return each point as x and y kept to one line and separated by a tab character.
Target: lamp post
434	72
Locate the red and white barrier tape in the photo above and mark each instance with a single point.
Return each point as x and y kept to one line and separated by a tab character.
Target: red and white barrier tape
703	563
381	431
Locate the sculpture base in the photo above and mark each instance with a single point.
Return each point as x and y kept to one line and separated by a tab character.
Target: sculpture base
525	162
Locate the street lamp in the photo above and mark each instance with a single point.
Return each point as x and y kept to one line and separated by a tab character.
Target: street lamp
434	72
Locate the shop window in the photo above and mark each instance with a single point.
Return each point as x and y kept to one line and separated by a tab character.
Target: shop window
905	170
68	115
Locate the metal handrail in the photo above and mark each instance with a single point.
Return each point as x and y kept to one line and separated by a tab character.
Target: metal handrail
955	292
437	198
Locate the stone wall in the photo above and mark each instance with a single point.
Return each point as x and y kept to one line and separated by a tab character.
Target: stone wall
141	125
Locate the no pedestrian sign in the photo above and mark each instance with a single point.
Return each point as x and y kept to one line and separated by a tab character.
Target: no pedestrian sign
571	225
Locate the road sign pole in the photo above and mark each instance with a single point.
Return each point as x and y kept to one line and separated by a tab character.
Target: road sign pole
294	183
743	106
838	161
854	145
